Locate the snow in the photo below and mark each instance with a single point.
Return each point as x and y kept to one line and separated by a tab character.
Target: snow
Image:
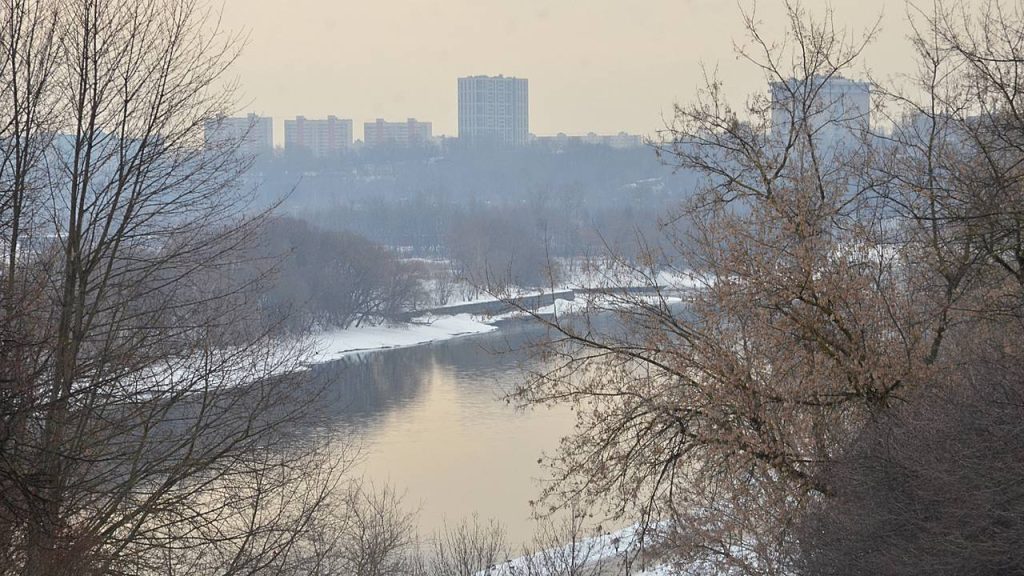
335	344
601	548
581	304
660	570
230	367
576	275
562	307
470	295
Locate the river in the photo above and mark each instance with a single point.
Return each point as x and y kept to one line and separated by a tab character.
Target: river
432	421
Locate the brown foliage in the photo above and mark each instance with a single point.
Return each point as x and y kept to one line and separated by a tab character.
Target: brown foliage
835	269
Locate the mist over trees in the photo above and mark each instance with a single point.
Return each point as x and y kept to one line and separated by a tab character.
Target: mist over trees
499	217
331	279
577	198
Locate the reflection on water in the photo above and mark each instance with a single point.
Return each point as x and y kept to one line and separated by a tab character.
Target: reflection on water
432	421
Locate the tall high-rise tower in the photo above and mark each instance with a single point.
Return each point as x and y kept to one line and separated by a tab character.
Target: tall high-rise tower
494	111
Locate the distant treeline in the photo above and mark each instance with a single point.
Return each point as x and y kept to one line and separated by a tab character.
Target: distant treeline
322	278
421	199
328	278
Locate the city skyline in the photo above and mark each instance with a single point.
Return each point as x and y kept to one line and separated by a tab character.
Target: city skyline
330	135
494	111
610	77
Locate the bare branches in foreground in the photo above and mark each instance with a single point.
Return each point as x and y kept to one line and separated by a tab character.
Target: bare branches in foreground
832	273
146	424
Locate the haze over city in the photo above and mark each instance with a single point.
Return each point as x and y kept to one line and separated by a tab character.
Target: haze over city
511	288
603	66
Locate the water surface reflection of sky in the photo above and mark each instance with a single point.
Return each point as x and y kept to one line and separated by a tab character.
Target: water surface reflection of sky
432	422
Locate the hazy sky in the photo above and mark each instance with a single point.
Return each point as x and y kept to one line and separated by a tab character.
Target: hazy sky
593	65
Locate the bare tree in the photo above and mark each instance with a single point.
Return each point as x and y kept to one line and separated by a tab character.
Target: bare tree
378	537
566	547
330	278
147	424
824	269
498	254
931	488
925	487
468	548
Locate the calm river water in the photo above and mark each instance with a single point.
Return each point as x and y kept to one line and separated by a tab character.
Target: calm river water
432	421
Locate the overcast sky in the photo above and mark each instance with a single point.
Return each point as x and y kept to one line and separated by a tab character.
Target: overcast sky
593	65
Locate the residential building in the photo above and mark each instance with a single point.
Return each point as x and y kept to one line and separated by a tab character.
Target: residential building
252	134
319	137
837	109
398	134
494	111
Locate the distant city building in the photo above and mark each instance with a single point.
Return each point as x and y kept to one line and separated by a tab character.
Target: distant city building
253	134
621	140
399	134
840	108
494	110
320	138
923	130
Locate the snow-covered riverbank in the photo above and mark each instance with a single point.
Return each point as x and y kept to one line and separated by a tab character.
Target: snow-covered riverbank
336	344
571	298
333	345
